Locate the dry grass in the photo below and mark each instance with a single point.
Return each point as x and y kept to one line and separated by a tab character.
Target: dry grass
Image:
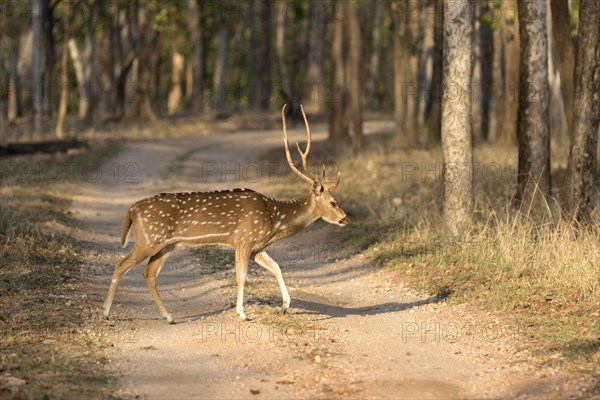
547	277
46	350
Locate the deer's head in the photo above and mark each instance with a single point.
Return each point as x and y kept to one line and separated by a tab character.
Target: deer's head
326	206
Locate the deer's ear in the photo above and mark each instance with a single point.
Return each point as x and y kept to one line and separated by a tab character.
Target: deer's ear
317	188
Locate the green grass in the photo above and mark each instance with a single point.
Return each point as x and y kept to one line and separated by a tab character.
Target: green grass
45	350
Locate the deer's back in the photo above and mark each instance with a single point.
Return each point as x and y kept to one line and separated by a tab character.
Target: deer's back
230	217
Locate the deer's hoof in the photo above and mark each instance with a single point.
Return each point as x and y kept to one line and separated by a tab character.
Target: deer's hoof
284	310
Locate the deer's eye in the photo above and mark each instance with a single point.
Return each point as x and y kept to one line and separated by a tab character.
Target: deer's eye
333	204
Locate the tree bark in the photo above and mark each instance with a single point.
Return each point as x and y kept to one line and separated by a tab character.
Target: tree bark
313	86
252	82
264	70
286	89
219	76
533	180
338	124
3	125
354	78
496	87
89	89
583	183
195	95
146	38
510	29
477	95
177	62
13	87
64	93
36	114
456	124
374	63
49	89
406	88
482	69
434	113
565	54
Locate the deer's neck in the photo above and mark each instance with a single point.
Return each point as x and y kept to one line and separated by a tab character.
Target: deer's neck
291	216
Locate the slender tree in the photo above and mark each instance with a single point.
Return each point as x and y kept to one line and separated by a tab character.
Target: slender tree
36	114
354	76
338	124
434	111
374	61
145	42
195	95
252	56
510	94
177	62
583	183
565	55
312	93
64	77
533	181
405	75
456	123
3	127
264	69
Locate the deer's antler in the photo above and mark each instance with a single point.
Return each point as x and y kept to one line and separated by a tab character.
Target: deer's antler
304	154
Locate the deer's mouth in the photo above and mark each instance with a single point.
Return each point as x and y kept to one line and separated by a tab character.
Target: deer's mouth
344	221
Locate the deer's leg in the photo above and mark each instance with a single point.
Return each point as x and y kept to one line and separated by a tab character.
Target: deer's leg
265	261
151	272
129	261
242	257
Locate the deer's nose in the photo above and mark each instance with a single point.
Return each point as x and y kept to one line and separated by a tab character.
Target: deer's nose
344	221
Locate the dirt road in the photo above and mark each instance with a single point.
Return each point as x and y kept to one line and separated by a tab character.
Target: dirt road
353	330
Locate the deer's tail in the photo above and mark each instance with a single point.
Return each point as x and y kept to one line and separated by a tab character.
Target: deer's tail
126	228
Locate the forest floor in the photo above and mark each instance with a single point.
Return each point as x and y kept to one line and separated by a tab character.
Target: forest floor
354	330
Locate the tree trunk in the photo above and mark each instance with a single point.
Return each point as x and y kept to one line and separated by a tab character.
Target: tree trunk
89	88
482	69
3	127
146	38
406	88
582	186
64	93
177	62
354	78
338	124
565	54
36	114
13	87
495	89
374	64
252	86
477	95
533	180
313	86
434	114
49	89
219	76
456	123
286	88
508	123
195	95
264	70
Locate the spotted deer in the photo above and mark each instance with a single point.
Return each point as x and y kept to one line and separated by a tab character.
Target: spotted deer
241	219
